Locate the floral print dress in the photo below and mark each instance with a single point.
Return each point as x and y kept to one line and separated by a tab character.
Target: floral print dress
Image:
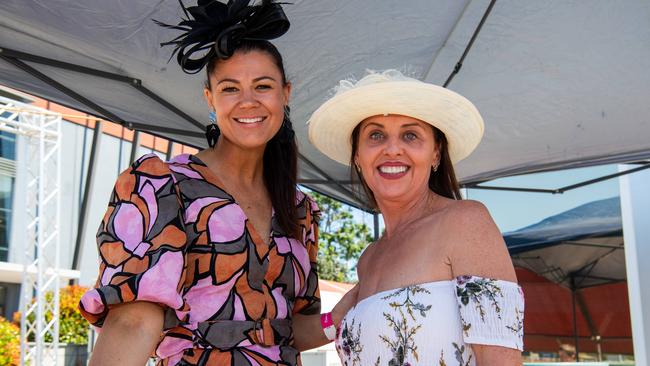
171	235
432	323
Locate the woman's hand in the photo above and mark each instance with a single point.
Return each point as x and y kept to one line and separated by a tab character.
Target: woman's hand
307	329
347	301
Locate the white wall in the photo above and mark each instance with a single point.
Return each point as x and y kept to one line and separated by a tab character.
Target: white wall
74	168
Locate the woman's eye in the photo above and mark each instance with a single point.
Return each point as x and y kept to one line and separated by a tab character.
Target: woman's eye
376	136
410	136
263	87
229	89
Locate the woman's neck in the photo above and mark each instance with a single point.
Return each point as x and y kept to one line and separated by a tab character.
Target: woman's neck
399	214
243	167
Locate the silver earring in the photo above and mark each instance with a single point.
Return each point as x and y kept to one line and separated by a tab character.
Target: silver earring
435	168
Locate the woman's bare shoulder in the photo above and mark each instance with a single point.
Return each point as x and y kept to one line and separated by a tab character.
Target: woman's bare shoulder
477	245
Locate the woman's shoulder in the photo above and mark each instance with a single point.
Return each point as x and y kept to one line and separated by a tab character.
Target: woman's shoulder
467	210
477	245
455	215
150	163
304	200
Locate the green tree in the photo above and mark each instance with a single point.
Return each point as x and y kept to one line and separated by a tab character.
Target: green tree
341	240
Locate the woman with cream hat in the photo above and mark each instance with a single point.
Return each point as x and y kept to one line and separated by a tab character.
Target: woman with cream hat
438	287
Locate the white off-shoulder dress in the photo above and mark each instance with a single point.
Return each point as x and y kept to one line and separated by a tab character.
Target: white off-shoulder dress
432	323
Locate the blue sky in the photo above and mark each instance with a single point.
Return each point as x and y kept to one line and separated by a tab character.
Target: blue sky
514	210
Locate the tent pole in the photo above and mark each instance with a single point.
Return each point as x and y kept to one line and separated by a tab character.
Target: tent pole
83	212
134	146
375	221
575	317
170	150
635	210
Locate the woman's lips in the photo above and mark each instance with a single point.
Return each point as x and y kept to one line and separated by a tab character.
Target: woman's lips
392	171
249	120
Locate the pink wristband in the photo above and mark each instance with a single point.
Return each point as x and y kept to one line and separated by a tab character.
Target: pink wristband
326	320
328	326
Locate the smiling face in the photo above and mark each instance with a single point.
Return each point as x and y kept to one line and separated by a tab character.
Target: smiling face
248	93
395	154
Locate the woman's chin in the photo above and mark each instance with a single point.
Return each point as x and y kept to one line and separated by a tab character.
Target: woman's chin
393	195
251	142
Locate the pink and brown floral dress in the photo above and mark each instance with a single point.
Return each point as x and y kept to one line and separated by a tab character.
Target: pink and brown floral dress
173	236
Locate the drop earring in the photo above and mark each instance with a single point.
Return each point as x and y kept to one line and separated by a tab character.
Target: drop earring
212	131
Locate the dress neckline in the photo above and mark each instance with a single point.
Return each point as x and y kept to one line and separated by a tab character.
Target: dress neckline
421	284
213	179
459	280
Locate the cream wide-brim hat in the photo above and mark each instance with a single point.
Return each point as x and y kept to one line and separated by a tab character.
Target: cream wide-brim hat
390	92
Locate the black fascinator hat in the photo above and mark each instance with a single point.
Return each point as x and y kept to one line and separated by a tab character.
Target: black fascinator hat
213	28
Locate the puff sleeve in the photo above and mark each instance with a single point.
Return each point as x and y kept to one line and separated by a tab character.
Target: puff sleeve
141	242
491	311
308	301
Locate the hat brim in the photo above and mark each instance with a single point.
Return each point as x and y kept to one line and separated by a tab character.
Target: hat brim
331	125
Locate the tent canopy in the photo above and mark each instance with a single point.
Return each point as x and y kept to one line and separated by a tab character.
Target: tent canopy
579	248
560	84
577	252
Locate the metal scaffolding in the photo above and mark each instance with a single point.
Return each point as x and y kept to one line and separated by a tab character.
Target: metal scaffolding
39	304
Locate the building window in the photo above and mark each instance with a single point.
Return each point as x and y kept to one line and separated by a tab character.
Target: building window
7	175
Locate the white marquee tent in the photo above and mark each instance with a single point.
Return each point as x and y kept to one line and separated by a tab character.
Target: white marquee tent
560	83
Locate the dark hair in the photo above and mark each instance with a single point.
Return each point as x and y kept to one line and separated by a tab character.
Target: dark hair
442	181
280	155
247	46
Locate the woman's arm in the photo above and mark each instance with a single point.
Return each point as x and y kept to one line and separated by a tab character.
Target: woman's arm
496	356
481	251
307	329
129	335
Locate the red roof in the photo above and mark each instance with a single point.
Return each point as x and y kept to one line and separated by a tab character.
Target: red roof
331	286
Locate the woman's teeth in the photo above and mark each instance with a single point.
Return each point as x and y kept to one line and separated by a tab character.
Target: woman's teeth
393	169
249	120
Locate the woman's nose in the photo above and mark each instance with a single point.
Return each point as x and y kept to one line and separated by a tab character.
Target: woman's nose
248	99
393	147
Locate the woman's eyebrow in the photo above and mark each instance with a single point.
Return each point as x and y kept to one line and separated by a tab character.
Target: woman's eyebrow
372	124
262	78
228	81
237	81
412	125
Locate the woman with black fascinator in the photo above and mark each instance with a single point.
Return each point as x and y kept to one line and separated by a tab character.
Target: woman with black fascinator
210	259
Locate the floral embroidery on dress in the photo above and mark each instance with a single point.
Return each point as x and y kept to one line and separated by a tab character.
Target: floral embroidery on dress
403	341
518	326
433	323
475	288
350	342
460	354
